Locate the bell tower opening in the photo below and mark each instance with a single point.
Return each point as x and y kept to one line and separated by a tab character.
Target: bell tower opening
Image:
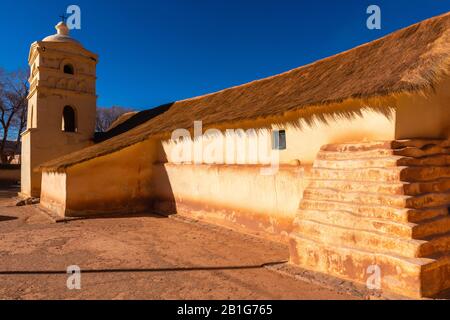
68	69
69	121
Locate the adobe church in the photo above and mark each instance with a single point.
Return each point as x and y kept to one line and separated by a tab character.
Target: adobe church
361	141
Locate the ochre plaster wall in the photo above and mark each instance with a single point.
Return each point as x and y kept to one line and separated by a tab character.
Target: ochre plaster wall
39	146
425	115
237	196
303	141
25	166
116	183
241	196
53	195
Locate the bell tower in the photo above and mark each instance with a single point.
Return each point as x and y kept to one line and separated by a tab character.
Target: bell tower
61	104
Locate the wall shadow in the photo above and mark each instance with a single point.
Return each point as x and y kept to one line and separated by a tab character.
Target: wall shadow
124	270
164	202
113	216
9	189
7	218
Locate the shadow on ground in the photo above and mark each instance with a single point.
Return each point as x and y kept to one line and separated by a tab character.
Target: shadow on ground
7	218
8	189
178	269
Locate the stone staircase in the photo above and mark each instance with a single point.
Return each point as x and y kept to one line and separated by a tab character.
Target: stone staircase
379	203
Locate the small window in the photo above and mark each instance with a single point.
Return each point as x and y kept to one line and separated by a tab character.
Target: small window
279	140
68	69
69	120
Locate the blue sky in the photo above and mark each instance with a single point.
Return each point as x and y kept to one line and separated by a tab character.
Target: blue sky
153	52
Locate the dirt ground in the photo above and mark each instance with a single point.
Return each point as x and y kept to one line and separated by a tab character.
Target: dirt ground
140	257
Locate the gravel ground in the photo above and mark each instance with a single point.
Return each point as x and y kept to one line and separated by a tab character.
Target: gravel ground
139	257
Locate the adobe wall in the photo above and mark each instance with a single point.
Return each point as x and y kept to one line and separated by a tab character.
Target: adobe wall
248	197
235	193
39	146
53	195
303	141
236	196
116	183
425	115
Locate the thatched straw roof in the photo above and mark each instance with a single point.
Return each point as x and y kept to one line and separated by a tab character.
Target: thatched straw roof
130	120
412	59
121	119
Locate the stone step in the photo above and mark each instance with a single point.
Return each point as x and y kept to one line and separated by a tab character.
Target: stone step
420	231
392	188
440	160
393	174
398	201
420	153
357	147
419	276
367	174
409	152
395	144
372	240
416	143
383	162
437	186
340	156
350	220
435	245
360	239
377	211
360	163
385	203
425	174
428	229
429	200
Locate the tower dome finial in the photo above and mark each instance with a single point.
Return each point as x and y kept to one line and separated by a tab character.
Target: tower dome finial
62	29
62	35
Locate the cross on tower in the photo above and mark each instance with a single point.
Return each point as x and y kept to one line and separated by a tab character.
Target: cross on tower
64	18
